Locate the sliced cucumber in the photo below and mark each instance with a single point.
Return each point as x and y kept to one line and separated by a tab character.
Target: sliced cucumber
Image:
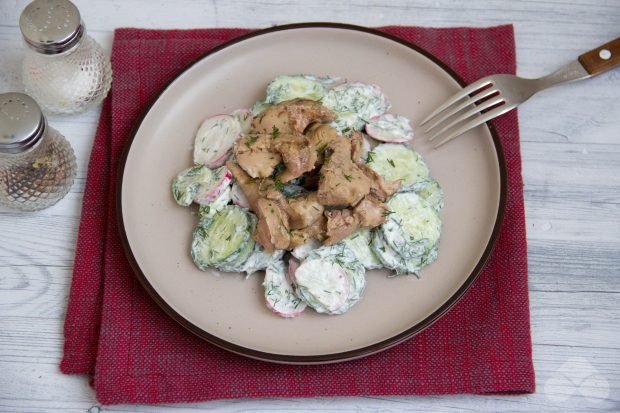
390	128
280	296
359	243
399	162
185	185
346	122
235	262
208	211
215	139
287	87
257	260
365	100
224	238
411	234
391	259
413	221
431	192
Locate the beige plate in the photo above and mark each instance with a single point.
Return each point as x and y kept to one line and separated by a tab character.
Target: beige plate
228	310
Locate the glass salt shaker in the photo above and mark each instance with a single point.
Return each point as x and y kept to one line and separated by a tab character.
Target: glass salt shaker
64	69
37	164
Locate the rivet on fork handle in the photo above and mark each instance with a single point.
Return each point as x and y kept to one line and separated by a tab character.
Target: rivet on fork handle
602	58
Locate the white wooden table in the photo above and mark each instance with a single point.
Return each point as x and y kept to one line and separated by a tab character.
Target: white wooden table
571	166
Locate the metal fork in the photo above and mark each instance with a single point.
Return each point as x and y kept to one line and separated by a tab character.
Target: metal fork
495	95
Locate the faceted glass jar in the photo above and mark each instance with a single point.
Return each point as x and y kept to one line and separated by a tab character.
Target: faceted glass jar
40	177
69	82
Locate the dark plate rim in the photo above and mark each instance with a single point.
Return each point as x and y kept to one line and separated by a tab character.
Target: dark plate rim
322	358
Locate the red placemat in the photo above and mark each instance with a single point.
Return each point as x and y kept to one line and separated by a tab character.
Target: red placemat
137	354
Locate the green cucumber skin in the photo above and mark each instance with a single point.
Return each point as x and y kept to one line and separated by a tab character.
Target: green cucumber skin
205	234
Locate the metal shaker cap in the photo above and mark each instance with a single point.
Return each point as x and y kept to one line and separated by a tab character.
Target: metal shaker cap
51	26
22	124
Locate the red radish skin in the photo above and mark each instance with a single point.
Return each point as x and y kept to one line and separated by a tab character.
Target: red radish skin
220	161
212	193
279	303
293	264
281	314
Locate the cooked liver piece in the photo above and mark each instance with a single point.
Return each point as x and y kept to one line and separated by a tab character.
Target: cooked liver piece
314	231
342	182
272	230
371	212
379	188
304	210
357	146
254	153
321	135
340	224
348	195
298	155
291	116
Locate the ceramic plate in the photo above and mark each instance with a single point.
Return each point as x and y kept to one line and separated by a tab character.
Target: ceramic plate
227	309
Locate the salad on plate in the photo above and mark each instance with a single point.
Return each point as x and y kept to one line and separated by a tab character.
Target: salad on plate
314	185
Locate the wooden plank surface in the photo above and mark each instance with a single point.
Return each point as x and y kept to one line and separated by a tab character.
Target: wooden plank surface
571	168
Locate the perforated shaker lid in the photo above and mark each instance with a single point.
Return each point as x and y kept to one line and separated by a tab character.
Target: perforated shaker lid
51	26
22	124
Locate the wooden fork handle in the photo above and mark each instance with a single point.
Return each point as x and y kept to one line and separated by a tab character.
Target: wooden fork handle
602	58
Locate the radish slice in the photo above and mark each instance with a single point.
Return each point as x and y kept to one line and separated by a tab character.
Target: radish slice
221	160
215	138
279	294
323	285
293	264
390	128
238	197
209	193
244	117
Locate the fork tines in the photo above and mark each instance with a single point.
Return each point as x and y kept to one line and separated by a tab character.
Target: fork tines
465	110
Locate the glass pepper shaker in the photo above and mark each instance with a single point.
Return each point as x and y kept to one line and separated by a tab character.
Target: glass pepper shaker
37	164
64	69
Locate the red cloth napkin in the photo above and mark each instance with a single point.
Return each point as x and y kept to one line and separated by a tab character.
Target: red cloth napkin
138	354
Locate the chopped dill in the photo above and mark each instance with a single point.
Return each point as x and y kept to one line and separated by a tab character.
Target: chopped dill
250	141
278	184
